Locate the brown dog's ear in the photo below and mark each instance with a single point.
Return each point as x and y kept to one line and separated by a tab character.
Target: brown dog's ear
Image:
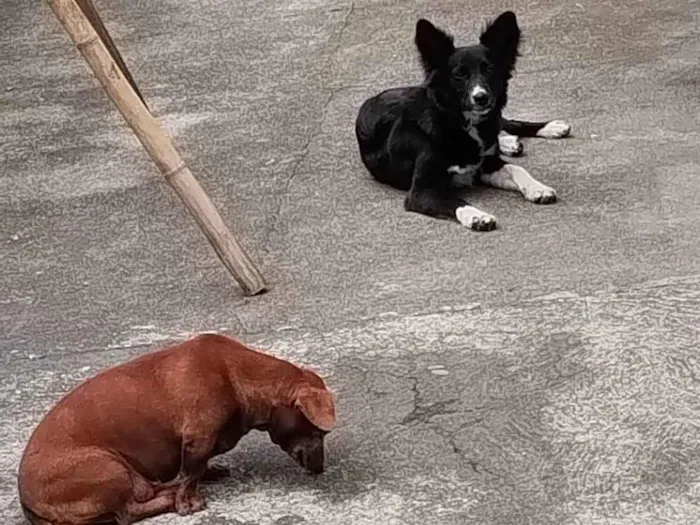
318	405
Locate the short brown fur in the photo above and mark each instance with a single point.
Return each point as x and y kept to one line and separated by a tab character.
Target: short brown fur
134	441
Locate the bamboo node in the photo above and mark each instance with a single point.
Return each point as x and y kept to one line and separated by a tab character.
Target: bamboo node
170	174
92	38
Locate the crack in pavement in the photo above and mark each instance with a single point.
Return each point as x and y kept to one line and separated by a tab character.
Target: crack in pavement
425	413
312	135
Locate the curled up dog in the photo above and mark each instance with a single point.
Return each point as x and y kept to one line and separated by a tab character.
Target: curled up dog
135	440
436	140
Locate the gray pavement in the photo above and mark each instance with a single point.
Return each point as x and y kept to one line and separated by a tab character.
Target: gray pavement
545	373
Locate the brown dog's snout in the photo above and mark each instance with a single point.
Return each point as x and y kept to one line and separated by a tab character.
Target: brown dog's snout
314	460
310	456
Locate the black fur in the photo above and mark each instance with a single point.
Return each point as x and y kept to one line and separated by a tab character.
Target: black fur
409	137
522	128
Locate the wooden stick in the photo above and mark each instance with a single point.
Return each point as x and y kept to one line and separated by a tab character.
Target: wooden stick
94	17
158	144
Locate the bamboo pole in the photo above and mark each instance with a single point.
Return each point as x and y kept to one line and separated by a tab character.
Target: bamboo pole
159	146
93	16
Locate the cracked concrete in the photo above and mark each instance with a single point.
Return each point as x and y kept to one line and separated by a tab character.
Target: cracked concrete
312	136
545	373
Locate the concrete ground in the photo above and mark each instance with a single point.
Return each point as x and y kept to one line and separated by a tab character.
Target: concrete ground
544	373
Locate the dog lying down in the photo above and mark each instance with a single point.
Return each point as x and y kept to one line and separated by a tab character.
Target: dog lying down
134	441
437	139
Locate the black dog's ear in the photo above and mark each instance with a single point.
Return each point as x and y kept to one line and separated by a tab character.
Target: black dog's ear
502	37
435	46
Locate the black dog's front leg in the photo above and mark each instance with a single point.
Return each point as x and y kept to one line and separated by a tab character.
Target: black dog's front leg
433	194
551	129
506	176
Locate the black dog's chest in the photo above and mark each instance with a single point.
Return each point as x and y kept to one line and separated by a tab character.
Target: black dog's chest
468	146
466	153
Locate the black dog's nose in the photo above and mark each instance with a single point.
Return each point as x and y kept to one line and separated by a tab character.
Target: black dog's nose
480	97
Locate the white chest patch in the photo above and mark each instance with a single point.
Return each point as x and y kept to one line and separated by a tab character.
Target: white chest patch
464	175
474	134
459	170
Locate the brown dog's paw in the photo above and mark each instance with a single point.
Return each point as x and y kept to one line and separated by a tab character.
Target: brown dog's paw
197	503
215	473
188	502
183	507
142	489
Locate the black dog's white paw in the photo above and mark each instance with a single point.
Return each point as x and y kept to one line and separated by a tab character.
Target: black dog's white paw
556	129
541	194
475	219
510	145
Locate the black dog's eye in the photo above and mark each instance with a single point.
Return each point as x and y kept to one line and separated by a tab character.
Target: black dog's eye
486	68
460	75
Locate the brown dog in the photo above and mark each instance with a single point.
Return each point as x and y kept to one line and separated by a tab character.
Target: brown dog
134	440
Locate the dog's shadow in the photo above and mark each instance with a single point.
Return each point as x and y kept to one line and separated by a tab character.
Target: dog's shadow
390	193
261	464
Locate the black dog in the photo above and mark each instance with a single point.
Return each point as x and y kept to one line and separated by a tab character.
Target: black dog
436	139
